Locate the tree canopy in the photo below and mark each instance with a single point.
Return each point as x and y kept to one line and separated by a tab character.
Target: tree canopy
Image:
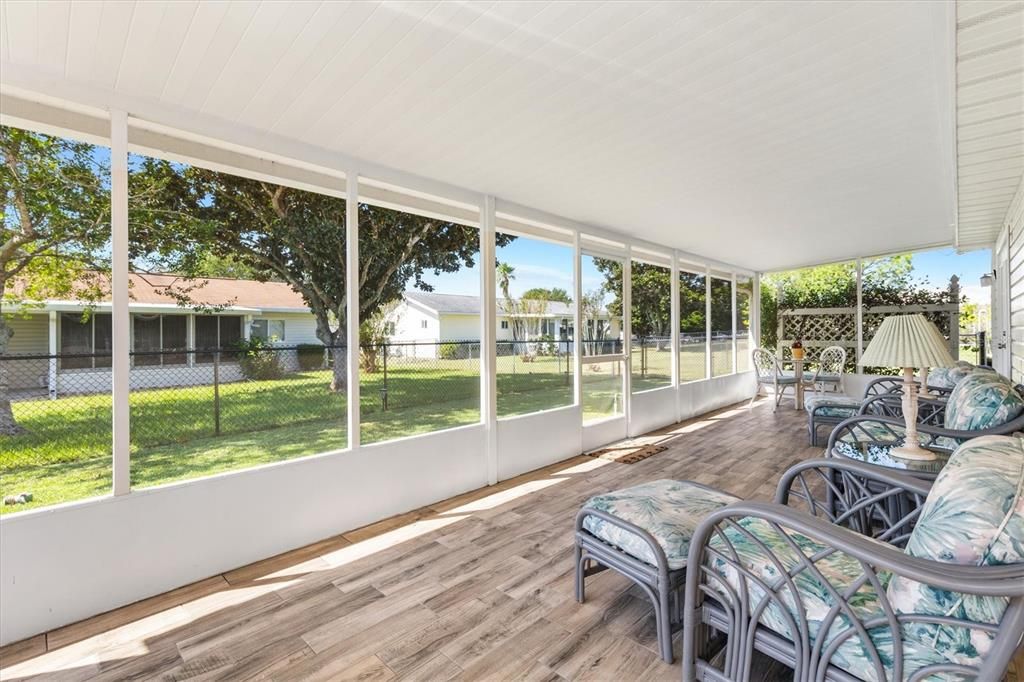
184	218
53	229
542	294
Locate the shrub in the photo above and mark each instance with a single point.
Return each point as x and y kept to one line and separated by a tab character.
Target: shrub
449	351
258	361
310	356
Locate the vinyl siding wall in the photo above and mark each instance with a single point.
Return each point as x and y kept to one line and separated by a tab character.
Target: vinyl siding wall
1015	223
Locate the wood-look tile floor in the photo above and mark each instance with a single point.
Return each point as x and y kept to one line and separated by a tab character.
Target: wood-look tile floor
477	587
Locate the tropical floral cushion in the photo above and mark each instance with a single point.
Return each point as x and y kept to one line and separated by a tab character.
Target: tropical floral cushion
668	510
816	599
982	400
832	405
948	377
974	516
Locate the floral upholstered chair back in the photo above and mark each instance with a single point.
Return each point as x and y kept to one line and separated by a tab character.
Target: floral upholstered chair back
982	400
949	377
974	516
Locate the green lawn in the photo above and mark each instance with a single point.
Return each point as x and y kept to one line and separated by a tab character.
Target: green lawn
65	453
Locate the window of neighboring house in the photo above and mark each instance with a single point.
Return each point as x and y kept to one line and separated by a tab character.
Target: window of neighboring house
216	332
154	335
87	341
267	330
504	324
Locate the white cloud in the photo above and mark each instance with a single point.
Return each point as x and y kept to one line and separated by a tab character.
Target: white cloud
976	293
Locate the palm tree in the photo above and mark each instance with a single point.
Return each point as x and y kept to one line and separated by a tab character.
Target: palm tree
506	273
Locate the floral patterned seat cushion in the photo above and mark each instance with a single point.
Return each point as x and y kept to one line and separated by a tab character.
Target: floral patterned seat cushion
974	515
982	400
840	570
832	405
669	510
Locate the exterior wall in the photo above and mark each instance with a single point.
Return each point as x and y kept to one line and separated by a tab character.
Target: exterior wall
409	324
31	337
1015	226
79	381
299	328
460	327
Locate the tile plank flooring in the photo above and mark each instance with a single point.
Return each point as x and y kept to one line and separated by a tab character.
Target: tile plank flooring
478	587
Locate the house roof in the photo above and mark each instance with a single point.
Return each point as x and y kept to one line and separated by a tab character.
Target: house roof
153	290
455	304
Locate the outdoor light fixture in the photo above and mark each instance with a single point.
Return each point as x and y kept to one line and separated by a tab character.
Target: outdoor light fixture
908	341
987	279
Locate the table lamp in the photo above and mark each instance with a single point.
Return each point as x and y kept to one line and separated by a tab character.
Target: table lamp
908	341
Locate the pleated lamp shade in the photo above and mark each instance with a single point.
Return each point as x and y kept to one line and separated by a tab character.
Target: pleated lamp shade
907	341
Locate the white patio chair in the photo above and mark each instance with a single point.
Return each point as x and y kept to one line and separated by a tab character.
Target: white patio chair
769	373
831	365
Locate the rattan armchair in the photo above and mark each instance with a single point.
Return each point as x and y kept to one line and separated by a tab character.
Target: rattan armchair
829	579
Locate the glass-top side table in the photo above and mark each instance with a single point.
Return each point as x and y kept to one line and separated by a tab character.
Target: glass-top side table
880	454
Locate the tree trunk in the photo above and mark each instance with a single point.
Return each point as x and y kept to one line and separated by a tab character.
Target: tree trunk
335	342
8	425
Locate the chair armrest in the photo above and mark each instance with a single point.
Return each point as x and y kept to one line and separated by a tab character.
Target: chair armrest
883	385
929	411
889	430
871	500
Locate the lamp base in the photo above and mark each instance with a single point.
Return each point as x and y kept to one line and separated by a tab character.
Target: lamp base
912	452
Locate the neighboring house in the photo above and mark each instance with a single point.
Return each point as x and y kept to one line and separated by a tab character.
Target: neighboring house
80	348
429	318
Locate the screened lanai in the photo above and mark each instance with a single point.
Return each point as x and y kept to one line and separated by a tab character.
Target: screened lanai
321	320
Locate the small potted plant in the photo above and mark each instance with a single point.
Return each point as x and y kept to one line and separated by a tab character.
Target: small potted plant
798	349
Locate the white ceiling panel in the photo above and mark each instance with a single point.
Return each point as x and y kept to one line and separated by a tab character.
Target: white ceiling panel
762	134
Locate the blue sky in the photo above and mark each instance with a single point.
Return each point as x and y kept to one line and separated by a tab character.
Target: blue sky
536	263
541	264
939	265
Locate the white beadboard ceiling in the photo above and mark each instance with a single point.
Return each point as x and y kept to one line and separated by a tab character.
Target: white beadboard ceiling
990	116
767	135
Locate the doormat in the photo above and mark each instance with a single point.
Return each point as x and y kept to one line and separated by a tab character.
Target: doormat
627	455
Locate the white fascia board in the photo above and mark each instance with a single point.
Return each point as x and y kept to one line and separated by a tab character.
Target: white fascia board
78	306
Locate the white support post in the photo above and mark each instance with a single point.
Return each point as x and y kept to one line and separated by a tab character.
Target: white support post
51	372
708	346
627	339
488	336
674	330
735	346
860	312
352	304
190	339
755	315
120	322
577	316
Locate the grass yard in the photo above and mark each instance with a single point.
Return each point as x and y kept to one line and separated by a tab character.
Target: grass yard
65	454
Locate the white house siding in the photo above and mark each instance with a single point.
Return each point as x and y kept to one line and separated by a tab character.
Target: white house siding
1015	224
299	328
30	338
460	327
